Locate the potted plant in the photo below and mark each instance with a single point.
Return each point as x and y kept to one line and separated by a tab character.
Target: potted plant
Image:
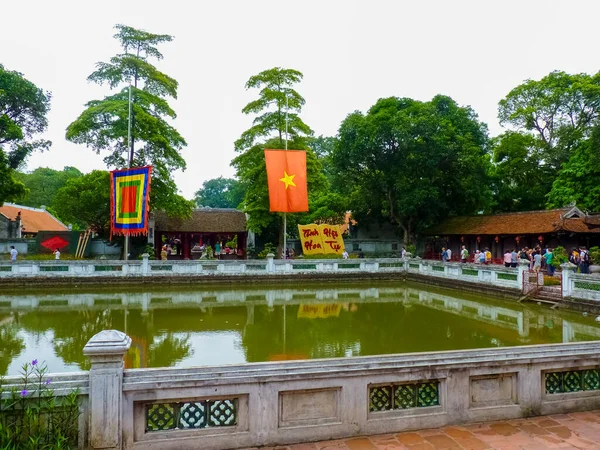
595	259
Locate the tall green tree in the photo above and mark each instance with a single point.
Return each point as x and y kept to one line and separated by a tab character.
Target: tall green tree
85	201
277	95
23	110
103	125
413	162
220	193
43	183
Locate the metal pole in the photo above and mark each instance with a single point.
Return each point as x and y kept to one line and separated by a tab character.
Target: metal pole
286	147
129	164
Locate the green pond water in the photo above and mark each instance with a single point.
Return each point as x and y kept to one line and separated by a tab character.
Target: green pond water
182	327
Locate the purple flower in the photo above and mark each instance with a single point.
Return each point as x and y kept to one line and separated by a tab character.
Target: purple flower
48	381
34	362
24	393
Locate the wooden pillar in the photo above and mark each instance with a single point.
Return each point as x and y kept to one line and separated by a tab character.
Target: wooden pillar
185	242
157	243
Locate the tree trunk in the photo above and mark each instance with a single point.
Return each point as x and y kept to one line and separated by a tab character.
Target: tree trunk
404	225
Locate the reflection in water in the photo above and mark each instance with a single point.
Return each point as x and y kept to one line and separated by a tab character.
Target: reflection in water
11	344
186	328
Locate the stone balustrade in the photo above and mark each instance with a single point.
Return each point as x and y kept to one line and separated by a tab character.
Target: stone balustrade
517	280
278	403
579	285
145	267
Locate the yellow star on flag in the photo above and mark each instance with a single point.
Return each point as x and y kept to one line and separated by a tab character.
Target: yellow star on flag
288	180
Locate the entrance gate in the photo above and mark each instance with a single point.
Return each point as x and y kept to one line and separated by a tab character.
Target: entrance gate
532	282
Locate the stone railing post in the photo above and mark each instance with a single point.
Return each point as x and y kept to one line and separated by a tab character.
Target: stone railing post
105	351
522	272
145	264
270	262
567	270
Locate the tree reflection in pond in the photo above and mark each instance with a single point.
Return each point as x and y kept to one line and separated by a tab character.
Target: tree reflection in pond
11	345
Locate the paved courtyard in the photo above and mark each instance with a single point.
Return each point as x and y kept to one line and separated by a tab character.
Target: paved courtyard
564	431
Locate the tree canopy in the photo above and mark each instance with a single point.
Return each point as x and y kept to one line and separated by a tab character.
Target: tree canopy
414	162
43	183
545	160
85	201
220	193
558	110
519	180
103	125
578	181
277	95
23	110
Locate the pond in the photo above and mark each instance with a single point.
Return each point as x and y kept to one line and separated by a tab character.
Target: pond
182	327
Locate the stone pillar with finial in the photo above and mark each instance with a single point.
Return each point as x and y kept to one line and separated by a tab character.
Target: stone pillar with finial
106	351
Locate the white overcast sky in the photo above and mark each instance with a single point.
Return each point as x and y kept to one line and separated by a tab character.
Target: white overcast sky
350	52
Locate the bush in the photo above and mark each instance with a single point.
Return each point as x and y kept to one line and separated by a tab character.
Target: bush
32	417
560	257
150	250
595	255
269	248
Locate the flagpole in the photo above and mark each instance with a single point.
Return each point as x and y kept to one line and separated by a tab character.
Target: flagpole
286	147
129	163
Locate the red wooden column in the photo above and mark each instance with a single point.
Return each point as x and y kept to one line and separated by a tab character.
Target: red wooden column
185	242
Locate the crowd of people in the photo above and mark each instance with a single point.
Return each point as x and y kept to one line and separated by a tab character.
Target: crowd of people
581	258
539	258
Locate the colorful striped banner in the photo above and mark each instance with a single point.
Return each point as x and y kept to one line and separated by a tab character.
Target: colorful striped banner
129	201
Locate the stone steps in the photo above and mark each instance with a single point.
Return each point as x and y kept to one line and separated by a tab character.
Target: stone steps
550	295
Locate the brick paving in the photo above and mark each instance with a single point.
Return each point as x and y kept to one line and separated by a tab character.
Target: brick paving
564	431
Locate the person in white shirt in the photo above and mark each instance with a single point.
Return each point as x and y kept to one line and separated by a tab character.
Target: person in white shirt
464	254
13	253
345	254
403	252
449	253
57	254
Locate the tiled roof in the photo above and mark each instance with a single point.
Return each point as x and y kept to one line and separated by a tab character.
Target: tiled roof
592	221
205	220
519	223
33	220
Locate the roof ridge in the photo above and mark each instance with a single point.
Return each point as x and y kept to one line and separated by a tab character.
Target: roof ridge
507	213
28	208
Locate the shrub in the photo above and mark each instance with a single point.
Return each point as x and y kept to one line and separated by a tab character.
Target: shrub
150	250
595	255
560	256
269	248
32	417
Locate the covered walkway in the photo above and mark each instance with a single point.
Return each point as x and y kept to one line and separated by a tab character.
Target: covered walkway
564	431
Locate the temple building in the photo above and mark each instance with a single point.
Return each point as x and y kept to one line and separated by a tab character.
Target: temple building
567	227
205	227
18	221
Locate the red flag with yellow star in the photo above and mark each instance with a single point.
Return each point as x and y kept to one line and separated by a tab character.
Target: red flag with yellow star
286	176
